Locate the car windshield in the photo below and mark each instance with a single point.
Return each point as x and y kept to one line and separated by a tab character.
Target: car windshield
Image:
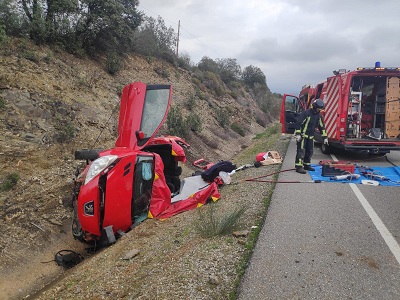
155	106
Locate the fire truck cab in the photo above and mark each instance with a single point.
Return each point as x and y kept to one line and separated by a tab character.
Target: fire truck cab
362	109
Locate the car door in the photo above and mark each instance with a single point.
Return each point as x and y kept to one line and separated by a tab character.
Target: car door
143	109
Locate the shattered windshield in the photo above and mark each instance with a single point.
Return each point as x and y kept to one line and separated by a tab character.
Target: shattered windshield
155	106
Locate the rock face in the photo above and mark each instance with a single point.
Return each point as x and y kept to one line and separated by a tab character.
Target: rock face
57	104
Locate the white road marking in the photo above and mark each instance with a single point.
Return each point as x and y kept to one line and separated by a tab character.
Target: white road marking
385	233
334	157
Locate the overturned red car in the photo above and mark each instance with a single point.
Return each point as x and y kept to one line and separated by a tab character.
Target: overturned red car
140	177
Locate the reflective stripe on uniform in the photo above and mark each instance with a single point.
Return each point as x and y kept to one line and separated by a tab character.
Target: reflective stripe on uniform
306	125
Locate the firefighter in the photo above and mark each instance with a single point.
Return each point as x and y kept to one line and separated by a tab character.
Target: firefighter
307	122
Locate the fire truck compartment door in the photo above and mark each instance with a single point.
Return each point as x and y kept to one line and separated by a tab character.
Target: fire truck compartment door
392	111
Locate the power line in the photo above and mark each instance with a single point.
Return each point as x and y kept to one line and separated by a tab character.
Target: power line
204	45
158	15
182	28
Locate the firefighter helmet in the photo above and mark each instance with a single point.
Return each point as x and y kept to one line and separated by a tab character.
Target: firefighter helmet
318	104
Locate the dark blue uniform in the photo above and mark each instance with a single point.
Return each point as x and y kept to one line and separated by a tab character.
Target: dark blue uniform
307	121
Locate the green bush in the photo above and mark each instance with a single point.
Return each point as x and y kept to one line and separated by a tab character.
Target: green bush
119	89
199	94
48	58
184	61
30	55
162	71
214	83
3	35
176	123
113	63
234	95
9	182
237	128
191	103
211	223
149	59
193	122
65	131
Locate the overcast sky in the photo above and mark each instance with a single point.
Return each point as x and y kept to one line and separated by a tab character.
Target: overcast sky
294	42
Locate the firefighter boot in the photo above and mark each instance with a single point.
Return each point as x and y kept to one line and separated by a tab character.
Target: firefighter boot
301	170
309	168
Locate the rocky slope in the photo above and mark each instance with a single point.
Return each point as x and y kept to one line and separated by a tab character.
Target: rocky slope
52	103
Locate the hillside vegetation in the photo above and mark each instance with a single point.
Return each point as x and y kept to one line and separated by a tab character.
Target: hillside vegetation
53	103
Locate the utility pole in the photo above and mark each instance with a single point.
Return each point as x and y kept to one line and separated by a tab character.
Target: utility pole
177	41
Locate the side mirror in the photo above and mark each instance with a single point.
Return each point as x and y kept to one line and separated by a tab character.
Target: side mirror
139	135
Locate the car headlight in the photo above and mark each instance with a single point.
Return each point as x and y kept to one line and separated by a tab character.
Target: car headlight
99	165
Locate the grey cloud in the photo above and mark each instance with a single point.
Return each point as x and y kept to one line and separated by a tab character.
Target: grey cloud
305	47
299	42
355	8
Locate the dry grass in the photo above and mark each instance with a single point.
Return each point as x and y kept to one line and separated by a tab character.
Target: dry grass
213	221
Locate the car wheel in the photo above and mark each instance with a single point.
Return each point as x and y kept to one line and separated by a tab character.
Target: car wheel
87	154
325	149
77	231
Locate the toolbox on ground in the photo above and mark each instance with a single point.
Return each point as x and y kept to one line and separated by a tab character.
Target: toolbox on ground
333	168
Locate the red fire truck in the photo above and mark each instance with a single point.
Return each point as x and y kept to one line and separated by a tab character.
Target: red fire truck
362	109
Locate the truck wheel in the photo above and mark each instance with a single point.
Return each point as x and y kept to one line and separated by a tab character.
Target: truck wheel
87	154
325	149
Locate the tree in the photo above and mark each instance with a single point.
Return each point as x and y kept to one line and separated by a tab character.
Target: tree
229	69
49	20
207	64
11	18
184	61
154	38
252	75
108	25
34	12
61	19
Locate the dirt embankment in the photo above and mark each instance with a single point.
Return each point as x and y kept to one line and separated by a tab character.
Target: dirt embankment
52	104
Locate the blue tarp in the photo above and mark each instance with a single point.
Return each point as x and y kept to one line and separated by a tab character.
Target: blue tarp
391	173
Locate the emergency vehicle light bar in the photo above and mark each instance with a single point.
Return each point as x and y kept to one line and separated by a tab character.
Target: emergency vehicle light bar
378	69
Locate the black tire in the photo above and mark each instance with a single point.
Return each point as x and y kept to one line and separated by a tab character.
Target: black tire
76	227
171	187
87	154
325	149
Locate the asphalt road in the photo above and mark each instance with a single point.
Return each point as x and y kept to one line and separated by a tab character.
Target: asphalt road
328	240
